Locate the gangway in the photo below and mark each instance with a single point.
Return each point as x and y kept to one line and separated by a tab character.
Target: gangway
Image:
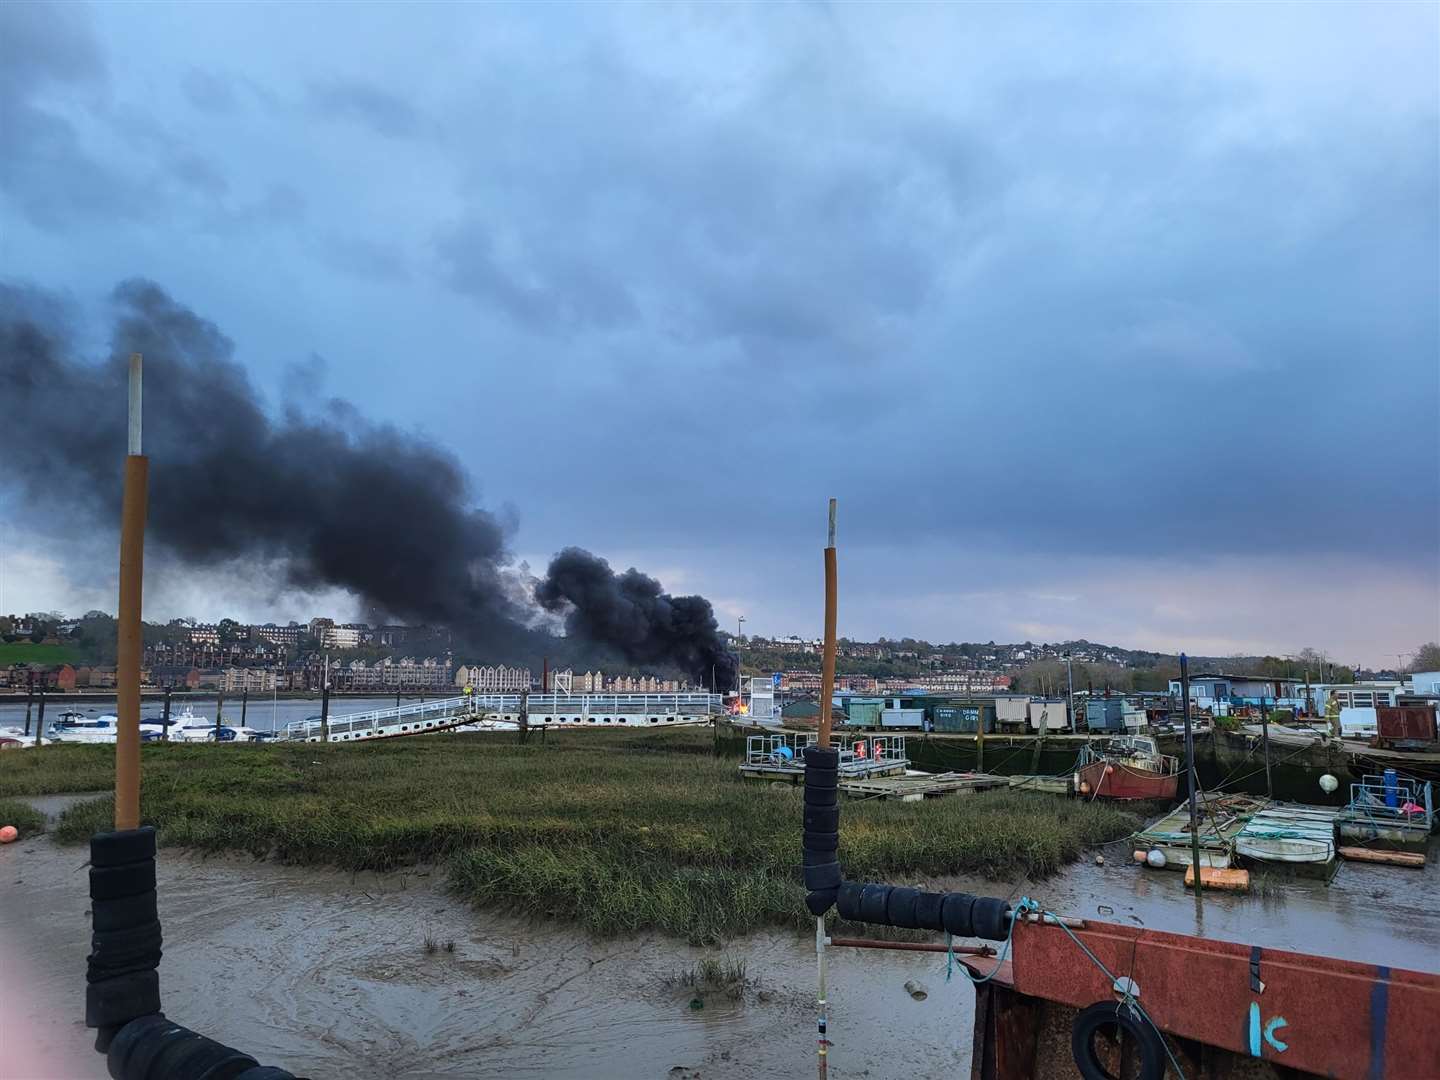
504	711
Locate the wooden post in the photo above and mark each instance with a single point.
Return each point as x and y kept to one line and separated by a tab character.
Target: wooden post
219	704
524	717
130	642
244	704
827	692
165	719
29	697
827	669
40	719
1265	734
1190	768
325	712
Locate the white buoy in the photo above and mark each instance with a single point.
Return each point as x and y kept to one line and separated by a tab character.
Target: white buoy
1328	784
1156	858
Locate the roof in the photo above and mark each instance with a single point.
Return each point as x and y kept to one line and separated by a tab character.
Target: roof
1243	678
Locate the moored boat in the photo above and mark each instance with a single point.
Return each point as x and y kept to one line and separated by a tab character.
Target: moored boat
1289	833
1126	767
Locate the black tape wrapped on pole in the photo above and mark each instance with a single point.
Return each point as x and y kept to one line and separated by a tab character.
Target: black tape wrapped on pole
960	914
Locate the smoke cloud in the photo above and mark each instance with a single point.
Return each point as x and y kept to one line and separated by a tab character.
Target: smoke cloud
630	612
337	499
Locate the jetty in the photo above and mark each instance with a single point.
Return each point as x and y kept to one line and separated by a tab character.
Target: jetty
1220	820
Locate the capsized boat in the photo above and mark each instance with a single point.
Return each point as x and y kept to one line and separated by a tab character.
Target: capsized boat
1126	767
1289	833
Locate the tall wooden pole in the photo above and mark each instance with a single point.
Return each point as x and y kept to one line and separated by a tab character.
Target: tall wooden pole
129	643
40	719
1265	734
827	691
165	719
827	670
1190	769
29	697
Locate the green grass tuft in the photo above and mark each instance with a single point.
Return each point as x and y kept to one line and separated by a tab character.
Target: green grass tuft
24	817
617	833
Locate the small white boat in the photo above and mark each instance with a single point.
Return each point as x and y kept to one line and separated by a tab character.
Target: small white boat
1289	833
14	738
187	727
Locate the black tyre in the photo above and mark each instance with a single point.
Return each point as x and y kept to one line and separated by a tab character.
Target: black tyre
991	918
847	900
928	910
874	901
820	901
956	914
123	998
819	796
828	840
112	882
825	876
128	1038
822	819
125	846
822	758
266	1072
1112	1021
123	912
110	947
900	909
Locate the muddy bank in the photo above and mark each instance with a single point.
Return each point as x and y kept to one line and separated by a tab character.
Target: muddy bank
327	974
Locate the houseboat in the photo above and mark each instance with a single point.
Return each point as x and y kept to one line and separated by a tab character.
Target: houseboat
1126	767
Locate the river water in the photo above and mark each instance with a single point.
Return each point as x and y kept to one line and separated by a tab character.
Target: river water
327	974
261	713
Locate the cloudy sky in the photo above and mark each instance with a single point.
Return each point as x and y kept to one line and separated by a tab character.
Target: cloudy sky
1103	321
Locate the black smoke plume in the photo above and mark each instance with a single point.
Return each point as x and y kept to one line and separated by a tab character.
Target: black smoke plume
630	612
337	499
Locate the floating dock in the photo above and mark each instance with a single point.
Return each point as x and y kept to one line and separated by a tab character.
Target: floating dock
1221	818
913	787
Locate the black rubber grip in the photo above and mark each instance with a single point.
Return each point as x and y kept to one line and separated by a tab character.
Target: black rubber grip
121	999
956	914
821	796
824	819
927	911
112	882
820	841
123	912
824	876
873	902
812	857
847	900
125	846
991	918
900	910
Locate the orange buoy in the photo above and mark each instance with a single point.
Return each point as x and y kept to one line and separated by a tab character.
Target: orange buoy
9	834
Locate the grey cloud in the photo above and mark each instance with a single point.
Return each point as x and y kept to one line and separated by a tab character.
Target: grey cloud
201	174
208	92
363	257
378	109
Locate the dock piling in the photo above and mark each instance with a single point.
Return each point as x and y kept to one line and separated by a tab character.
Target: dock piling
1193	781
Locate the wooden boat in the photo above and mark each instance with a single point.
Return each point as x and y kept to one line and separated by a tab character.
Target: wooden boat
1126	767
1289	833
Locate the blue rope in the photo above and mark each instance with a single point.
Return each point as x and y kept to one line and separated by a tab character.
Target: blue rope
1023	905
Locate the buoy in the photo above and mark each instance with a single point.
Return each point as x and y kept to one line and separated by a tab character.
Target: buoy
1155	858
1084	788
1139	856
9	834
1099	860
1109	769
1328	784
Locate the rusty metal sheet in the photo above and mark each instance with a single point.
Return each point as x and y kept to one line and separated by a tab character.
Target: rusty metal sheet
1317	1014
1406	722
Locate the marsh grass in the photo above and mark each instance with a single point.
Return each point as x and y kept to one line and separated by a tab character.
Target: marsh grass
27	820
617	833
